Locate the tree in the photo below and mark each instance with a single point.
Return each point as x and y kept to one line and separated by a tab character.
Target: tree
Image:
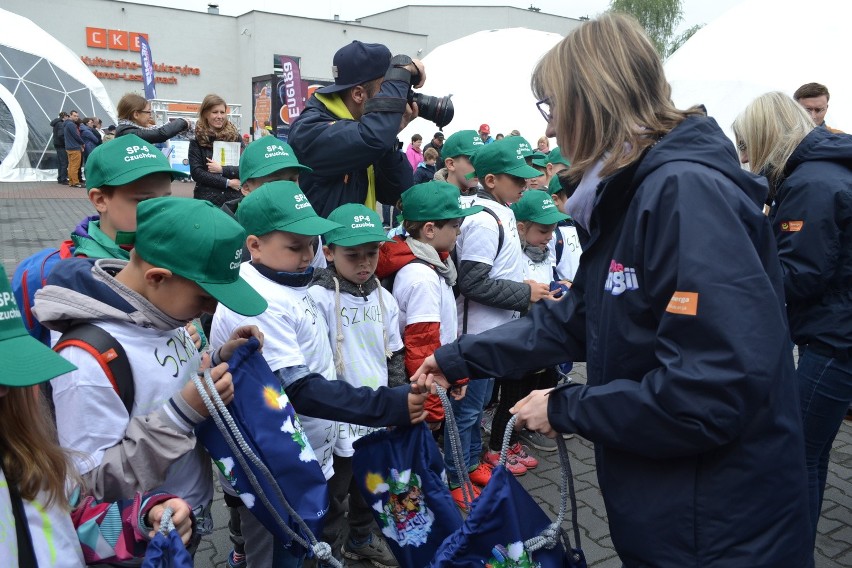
660	19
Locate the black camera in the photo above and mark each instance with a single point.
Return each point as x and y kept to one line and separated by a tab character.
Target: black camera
435	109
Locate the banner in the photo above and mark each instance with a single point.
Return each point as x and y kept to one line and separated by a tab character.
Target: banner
262	109
290	89
147	68
178	155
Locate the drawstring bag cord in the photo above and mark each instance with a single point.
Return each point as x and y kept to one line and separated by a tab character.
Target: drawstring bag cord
237	444
551	534
452	431
166	523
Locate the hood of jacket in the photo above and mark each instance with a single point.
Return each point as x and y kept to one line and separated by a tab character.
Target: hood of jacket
91	242
86	290
325	277
820	144
698	139
393	256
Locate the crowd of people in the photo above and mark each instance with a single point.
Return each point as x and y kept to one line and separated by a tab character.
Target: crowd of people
639	245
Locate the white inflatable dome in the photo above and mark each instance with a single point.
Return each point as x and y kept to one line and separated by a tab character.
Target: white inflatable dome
488	73
765	45
39	77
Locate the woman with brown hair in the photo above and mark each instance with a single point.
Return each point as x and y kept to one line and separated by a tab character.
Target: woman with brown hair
678	310
136	117
214	182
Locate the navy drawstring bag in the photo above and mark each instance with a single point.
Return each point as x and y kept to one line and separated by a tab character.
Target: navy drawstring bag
506	528
400	473
166	549
286	489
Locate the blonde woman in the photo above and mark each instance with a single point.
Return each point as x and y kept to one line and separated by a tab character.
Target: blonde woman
213	181
677	307
810	173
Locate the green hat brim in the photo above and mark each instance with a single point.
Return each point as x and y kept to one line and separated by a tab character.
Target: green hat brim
271	168
27	362
355	240
540	162
549	218
126	177
238	296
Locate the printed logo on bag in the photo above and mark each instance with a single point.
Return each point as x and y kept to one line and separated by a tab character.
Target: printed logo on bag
226	466
405	518
684	303
792	226
277	400
620	279
512	556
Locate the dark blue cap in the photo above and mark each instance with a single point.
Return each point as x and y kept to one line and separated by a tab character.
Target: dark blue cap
357	63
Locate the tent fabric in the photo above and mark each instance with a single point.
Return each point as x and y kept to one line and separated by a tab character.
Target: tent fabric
39	77
760	46
488	73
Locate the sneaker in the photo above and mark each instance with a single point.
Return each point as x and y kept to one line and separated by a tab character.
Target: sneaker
481	475
519	452
78	185
538	441
513	465
567	436
236	560
487	419
458	497
374	551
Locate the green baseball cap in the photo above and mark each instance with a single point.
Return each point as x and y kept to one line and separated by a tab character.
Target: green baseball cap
281	206
462	143
26	360
358	225
124	160
200	242
552	157
434	201
267	155
502	157
537	206
554	186
522	145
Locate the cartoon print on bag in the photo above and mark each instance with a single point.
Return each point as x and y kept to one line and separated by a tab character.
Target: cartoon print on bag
405	518
513	556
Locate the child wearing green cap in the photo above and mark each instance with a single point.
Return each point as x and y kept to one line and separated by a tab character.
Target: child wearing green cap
364	332
144	303
423	278
491	269
456	153
281	225
60	527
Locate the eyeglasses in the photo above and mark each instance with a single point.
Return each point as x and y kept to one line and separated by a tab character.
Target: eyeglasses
741	146
544	108
145	111
819	110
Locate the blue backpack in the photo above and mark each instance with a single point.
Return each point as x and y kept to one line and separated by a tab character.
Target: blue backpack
31	276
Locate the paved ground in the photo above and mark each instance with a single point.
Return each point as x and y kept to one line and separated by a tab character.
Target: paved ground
33	216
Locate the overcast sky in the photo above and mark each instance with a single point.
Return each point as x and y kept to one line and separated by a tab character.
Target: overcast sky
694	11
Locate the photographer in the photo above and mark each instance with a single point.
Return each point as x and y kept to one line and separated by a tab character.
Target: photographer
347	132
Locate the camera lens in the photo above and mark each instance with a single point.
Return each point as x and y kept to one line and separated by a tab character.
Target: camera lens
436	109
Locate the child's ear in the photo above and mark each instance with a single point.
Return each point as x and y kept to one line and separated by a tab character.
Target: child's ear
450	165
253	246
429	230
99	200
329	256
157	276
522	228
488	182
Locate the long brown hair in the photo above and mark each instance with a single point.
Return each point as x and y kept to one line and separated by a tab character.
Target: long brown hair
205	134
129	105
608	93
33	461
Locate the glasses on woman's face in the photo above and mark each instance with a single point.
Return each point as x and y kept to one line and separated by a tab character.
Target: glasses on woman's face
544	108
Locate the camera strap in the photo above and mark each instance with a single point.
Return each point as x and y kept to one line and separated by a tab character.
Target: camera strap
385	104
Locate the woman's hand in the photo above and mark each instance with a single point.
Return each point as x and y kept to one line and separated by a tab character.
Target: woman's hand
428	374
213	166
532	413
181	517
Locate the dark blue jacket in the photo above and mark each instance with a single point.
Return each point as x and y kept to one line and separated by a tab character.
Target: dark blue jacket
340	150
73	140
90	139
812	219
691	398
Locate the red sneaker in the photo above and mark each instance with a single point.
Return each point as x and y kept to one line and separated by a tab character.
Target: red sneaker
458	497
519	452
481	475
515	466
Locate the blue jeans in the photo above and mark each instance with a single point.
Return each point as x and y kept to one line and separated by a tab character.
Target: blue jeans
468	414
825	392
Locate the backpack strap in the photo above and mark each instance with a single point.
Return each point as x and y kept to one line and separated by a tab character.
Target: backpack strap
26	550
109	354
388	281
500	237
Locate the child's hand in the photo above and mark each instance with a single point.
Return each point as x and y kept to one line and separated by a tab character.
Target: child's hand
181	517
539	291
458	391
193	334
222	381
238	337
417	406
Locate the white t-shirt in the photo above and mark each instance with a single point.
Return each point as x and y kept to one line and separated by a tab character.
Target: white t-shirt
567	266
363	346
54	538
91	418
541	272
425	297
478	242
295	333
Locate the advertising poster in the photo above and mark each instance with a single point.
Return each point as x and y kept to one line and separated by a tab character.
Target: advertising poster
262	107
178	155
